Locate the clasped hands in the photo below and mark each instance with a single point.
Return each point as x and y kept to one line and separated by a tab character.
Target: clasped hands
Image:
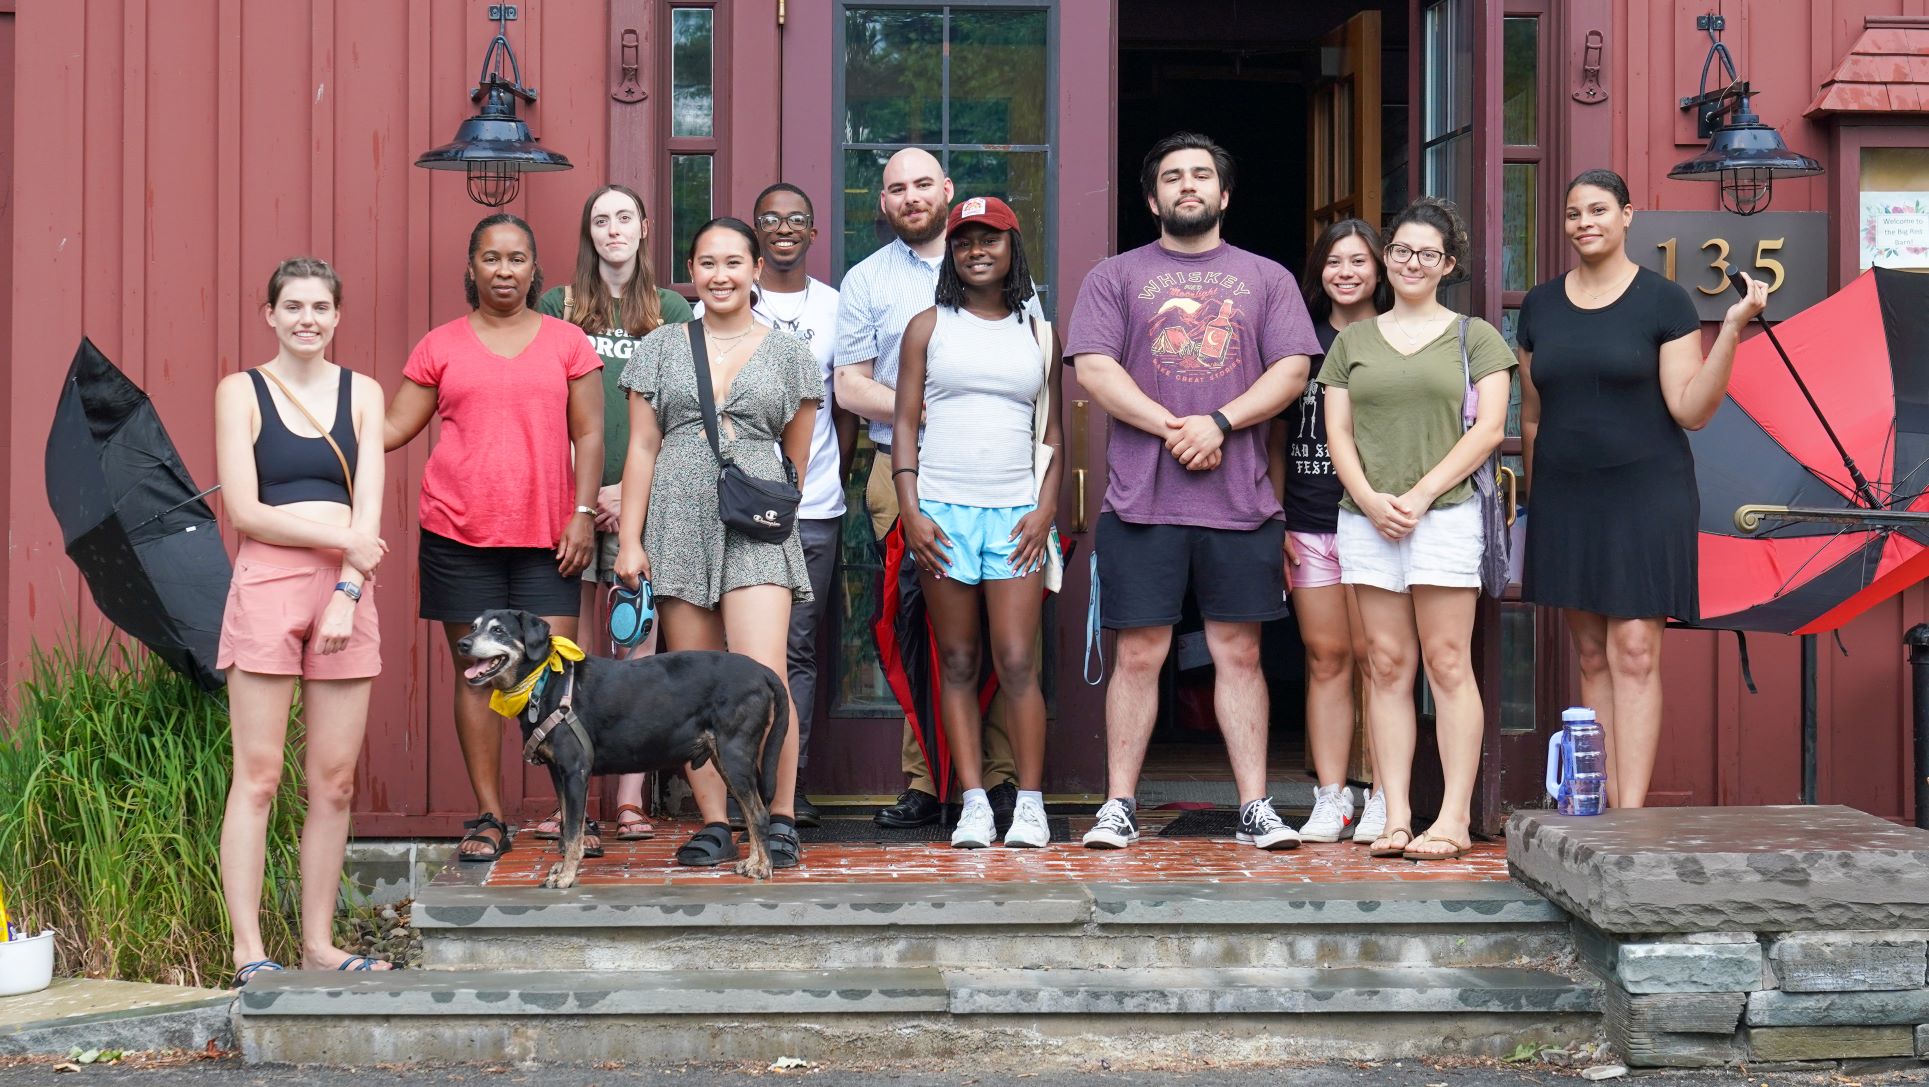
1194	440
1396	515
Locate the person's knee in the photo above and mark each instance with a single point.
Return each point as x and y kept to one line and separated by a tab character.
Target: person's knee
958	665
333	787
1235	651
1633	651
1327	661
256	789
1017	666
1449	664
1141	652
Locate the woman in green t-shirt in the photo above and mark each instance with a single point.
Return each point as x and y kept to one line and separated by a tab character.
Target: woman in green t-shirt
1409	539
614	299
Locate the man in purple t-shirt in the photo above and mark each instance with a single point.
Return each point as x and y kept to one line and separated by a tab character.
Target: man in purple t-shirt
1192	346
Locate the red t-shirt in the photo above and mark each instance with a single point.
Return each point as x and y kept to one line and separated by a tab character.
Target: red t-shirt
500	473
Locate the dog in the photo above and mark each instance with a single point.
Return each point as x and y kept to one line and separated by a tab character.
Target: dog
646	713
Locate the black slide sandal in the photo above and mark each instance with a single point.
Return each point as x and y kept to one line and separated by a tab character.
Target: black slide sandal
708	847
782	844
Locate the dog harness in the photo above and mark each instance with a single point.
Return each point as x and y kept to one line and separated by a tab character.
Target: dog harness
509	703
562	714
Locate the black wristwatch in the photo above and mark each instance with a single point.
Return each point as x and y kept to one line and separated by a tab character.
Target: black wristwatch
1225	424
352	591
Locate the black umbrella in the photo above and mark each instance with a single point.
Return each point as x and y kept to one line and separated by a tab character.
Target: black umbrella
132	519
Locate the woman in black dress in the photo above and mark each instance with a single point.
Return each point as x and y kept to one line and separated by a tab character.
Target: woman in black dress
1612	372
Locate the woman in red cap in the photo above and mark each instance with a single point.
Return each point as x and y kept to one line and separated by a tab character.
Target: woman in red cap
977	508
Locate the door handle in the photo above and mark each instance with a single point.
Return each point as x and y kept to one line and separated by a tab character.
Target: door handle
1507	477
1080	408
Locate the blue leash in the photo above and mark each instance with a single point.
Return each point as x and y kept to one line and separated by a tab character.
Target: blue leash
1094	638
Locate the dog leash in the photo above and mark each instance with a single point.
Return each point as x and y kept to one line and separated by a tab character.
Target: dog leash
560	715
1094	638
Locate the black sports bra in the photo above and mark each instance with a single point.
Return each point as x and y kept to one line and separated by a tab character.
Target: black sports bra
292	468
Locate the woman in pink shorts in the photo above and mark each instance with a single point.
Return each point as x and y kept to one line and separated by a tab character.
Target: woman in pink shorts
298	441
1345	282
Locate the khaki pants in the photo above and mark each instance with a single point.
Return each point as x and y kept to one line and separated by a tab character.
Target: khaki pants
881	498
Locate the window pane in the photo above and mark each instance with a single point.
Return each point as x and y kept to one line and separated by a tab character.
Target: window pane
689	208
893	76
1517	642
865	230
1518	186
1450	168
692	93
861	690
1449	61
1520	76
1509	329
998	77
1017	178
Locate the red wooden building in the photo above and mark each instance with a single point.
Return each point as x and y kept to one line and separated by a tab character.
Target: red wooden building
159	159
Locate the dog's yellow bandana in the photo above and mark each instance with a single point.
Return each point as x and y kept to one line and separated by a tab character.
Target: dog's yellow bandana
511	702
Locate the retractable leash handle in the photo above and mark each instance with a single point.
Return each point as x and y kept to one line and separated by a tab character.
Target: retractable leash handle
1863	491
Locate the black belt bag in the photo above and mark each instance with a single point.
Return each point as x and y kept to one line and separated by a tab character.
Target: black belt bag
762	509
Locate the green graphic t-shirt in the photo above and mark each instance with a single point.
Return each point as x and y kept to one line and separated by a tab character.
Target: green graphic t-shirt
615	347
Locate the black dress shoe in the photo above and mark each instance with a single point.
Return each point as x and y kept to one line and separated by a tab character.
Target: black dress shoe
806	812
914	808
1004	799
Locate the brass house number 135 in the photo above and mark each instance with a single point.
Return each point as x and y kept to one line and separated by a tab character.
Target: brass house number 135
1718	281
1788	250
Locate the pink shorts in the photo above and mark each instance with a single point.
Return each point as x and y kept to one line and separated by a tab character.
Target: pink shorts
275	605
1319	560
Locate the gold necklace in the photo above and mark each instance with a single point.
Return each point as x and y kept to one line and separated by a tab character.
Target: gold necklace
727	342
1397	323
1595	296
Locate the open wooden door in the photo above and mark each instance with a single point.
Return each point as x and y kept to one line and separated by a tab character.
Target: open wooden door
1344	122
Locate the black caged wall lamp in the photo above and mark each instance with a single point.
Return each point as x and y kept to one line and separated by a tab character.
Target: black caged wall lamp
1744	155
495	147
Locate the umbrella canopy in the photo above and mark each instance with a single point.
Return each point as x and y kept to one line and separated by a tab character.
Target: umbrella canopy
1864	354
132	519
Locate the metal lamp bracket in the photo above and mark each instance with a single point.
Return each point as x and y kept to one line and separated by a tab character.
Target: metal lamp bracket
1712	106
491	77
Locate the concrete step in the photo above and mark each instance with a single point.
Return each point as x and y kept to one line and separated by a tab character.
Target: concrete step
1025	1019
989	926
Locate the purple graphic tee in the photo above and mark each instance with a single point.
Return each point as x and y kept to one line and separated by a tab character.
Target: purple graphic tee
1194	331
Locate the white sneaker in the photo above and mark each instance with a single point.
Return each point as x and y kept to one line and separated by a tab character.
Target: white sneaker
975	828
1260	825
1114	829
1332	812
1372	824
1029	829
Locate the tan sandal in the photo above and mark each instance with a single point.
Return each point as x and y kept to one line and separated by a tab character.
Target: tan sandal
1457	852
638	829
1392	851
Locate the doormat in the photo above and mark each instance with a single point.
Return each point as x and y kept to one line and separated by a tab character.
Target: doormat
1216	823
857	831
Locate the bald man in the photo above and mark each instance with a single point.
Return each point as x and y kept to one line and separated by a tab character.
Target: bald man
876	301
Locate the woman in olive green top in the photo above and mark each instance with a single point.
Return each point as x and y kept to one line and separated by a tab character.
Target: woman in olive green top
1409	537
614	299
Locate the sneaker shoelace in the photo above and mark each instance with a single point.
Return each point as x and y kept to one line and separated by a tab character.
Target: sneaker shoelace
1262	818
1329	805
1112	816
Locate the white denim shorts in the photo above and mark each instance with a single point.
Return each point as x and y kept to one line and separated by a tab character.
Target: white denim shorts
1443	549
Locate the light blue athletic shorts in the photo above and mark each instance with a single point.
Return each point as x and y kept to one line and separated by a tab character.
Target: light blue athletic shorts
981	544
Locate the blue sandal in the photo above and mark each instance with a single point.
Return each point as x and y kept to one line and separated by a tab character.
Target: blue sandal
249	970
363	963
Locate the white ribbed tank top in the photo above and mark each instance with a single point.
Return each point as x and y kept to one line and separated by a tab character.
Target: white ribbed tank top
981	379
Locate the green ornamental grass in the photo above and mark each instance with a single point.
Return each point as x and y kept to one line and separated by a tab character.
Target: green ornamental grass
114	773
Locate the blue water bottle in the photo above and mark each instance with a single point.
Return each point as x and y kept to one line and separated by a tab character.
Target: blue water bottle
1577	764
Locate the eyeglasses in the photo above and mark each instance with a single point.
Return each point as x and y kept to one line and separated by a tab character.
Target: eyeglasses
1400	254
798	220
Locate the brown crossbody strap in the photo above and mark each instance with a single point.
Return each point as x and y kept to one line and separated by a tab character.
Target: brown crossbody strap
348	477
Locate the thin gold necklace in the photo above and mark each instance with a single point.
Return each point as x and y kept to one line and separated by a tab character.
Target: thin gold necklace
1397	323
1595	296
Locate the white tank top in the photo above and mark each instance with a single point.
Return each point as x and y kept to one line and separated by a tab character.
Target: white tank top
981	380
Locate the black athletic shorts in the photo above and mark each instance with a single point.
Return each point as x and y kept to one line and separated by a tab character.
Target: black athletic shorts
1144	571
460	582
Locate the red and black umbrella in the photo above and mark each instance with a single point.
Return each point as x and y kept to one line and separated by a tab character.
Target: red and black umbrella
1828	415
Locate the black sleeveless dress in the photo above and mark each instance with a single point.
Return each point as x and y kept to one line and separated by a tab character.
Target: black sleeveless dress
1612	519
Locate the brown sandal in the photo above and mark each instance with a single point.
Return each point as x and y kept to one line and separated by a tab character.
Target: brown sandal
1393	851
637	830
1457	852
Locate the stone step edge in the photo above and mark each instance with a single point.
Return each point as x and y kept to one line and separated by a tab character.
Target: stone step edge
1223	991
1484	903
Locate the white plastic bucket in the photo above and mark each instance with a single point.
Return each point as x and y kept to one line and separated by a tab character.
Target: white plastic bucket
27	964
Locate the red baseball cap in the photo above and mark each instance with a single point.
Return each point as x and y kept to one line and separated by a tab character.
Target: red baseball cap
989	210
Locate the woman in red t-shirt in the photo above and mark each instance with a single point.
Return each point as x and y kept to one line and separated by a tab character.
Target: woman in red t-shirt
507	520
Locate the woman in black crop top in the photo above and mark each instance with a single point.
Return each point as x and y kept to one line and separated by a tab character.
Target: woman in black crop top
301	605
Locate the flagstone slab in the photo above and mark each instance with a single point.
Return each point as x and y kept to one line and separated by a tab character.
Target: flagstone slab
1787	868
